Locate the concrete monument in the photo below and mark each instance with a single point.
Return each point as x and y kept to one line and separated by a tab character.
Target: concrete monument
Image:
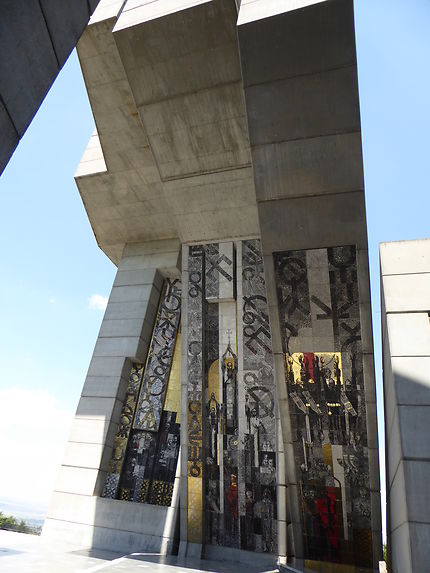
229	408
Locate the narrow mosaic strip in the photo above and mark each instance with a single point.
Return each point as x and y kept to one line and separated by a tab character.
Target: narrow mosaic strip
121	439
194	391
258	506
152	394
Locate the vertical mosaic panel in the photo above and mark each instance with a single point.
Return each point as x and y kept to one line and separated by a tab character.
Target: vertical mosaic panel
153	391
228	373
213	433
220	395
121	439
144	462
320	320
258	506
194	387
237	458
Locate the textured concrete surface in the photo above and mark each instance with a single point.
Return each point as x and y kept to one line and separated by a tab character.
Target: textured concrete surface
405	275
32	554
168	103
36	38
304	131
204	134
76	513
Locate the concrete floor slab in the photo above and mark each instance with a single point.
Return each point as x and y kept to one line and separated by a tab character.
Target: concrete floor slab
33	554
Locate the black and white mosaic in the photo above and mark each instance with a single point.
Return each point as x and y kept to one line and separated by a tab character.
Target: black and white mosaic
234	447
116	463
156	377
143	463
195	365
150	464
319	313
258	468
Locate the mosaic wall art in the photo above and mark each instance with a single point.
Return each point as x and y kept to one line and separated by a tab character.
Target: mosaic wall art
231	412
150	463
143	465
156	377
116	463
194	391
320	322
258	470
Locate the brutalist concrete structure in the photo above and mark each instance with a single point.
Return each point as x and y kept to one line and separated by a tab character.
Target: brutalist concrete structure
229	408
36	38
405	293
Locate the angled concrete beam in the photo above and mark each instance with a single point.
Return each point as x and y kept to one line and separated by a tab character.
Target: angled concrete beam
36	38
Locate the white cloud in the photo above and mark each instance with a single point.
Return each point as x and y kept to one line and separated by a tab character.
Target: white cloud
97	302
52	300
34	431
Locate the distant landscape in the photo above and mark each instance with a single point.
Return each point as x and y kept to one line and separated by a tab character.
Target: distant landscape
19	516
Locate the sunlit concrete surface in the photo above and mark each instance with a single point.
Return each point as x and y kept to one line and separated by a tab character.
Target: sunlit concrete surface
405	296
33	554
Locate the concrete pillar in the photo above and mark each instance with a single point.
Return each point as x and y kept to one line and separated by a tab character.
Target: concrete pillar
300	81
281	484
76	509
405	288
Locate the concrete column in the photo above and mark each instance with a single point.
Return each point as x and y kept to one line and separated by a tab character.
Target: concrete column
124	338
300	80
281	486
405	288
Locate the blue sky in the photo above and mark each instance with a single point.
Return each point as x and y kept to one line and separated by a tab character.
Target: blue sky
51	264
51	267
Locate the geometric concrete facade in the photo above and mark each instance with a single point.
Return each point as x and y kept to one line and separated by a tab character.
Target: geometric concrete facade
405	293
77	511
226	171
36	39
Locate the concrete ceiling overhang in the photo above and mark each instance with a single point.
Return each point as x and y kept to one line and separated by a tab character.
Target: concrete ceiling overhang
171	157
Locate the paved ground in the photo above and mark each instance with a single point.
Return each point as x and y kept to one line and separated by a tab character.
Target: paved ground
21	553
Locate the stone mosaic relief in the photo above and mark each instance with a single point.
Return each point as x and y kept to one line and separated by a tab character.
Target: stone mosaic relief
220	276
156	377
231	417
258	505
143	465
194	392
320	322
116	463
150	464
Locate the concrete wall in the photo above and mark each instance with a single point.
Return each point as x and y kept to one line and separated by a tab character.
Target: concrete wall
36	38
405	292
171	121
301	95
77	513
